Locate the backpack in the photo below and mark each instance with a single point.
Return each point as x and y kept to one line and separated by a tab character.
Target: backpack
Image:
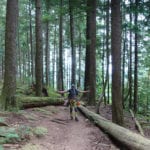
72	93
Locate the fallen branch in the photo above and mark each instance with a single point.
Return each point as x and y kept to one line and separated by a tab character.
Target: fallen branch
137	123
126	137
13	146
59	122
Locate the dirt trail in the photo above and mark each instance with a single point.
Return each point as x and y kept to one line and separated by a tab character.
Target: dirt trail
65	134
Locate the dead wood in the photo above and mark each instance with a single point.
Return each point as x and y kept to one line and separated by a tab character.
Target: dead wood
59	122
30	102
124	136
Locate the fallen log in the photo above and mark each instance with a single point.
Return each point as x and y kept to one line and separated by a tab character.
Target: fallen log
126	137
137	123
29	102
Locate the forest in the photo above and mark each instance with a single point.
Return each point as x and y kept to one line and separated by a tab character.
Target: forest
98	45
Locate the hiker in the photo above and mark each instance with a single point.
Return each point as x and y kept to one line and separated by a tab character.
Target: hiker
72	100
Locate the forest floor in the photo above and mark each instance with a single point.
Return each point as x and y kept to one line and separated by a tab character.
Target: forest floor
62	133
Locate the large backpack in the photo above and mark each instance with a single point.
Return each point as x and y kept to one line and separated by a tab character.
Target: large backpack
72	93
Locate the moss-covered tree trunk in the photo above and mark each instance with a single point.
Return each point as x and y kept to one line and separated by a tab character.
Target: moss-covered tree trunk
9	87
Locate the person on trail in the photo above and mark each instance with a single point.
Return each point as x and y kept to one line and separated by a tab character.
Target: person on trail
72	100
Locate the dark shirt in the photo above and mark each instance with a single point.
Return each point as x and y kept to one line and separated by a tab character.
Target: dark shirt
73	92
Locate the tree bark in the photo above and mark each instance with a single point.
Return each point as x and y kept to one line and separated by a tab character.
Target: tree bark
107	48
117	108
130	62
60	66
80	46
90	64
31	42
47	47
136	60
9	87
73	52
39	50
124	136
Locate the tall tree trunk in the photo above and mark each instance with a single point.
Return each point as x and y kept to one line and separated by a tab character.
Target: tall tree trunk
60	67
54	56
9	87
2	67
103	71
130	61
19	55
136	60
28	59
123	68
39	50
73	52
90	66
80	46
47	47
47	55
107	49
117	109
31	42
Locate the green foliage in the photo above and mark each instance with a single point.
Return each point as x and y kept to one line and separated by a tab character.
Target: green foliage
24	132
40	131
52	93
1	147
2	119
13	135
8	135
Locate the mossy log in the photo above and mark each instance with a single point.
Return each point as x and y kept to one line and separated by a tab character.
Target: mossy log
126	137
29	102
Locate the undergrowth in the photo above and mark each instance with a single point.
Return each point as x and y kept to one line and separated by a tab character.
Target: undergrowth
40	131
20	133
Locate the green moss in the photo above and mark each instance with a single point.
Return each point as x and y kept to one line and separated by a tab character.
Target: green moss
40	131
52	93
24	100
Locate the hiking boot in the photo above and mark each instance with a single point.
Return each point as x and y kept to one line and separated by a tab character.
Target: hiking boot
76	119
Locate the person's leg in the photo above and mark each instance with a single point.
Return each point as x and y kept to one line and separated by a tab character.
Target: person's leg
71	112
76	111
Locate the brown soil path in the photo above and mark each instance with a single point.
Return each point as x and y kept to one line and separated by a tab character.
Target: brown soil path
65	134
